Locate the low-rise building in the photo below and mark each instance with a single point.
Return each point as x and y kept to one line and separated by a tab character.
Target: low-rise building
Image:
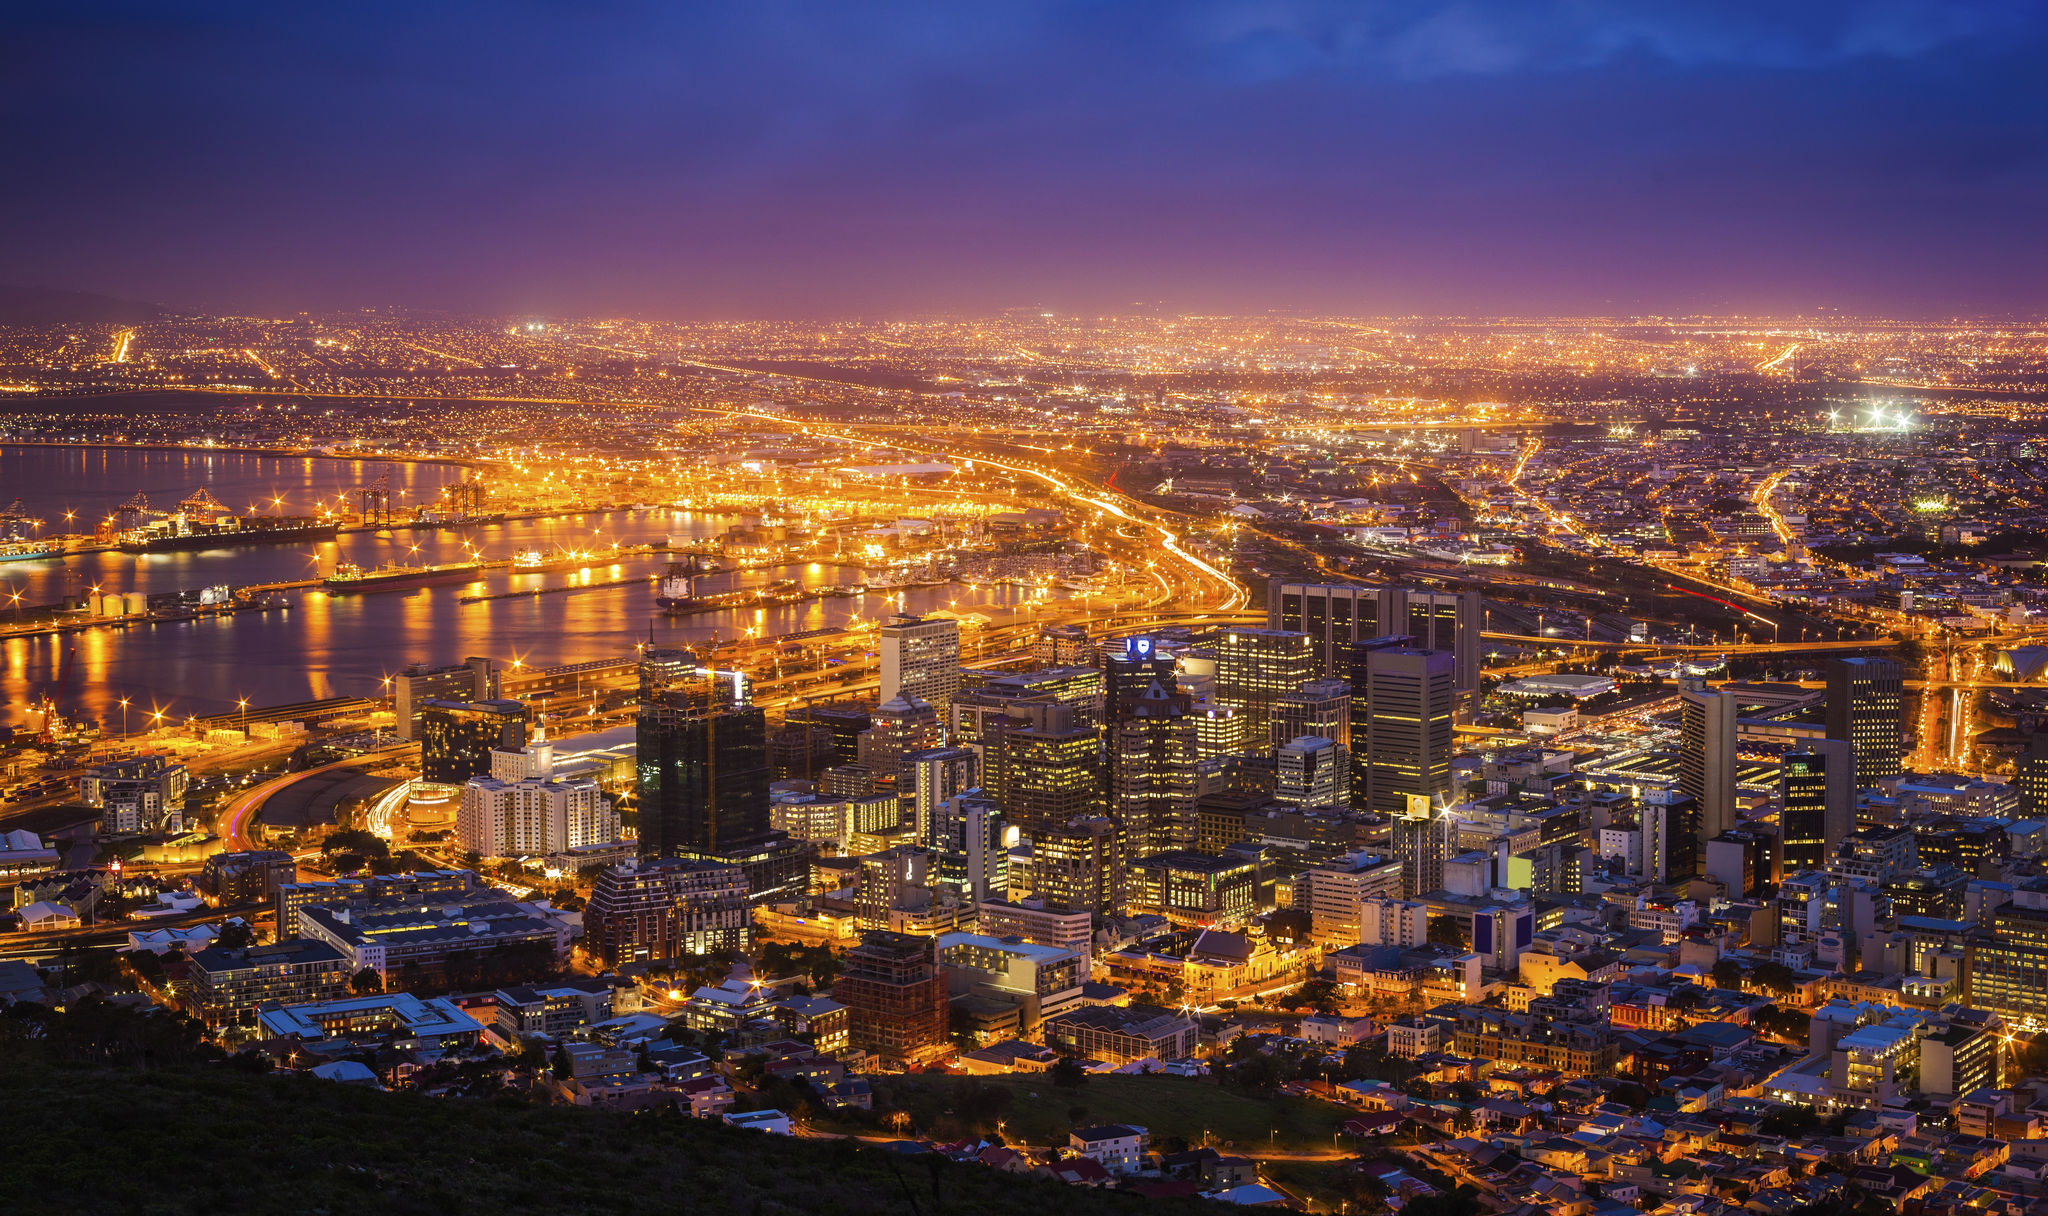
1115	1147
228	985
1120	1034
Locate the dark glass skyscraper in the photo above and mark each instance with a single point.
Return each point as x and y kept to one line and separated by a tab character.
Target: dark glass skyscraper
1816	803
458	737
1867	710
703	767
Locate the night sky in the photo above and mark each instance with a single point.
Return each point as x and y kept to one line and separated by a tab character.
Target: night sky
860	157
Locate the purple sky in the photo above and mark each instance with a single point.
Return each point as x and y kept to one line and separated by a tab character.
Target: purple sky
818	159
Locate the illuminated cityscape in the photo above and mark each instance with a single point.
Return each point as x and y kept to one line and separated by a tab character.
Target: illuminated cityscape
1568	744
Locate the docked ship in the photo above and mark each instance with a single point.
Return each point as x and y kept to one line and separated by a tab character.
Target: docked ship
534	561
349	578
677	591
230	533
29	550
202	521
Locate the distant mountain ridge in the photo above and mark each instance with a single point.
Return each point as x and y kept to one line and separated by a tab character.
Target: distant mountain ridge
21	305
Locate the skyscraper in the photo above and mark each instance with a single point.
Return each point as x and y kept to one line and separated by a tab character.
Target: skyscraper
1255	668
664	667
1673	843
1314	774
2032	778
458	737
1706	756
1079	865
1816	803
2005	962
702	766
1866	709
1152	759
1040	766
921	658
1409	695
1319	707
1425	836
1338	616
970	847
931	776
1129	672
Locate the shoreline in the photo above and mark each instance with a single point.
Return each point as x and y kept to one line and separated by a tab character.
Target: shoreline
246	449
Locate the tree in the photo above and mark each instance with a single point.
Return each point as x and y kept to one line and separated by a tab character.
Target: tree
1776	976
1727	974
1446	932
235	935
564	1067
1067	1073
366	982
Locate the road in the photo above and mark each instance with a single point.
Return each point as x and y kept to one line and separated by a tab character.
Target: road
46	944
233	827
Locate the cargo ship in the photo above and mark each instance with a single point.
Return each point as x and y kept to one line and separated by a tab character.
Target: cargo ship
677	591
533	561
227	534
349	578
29	550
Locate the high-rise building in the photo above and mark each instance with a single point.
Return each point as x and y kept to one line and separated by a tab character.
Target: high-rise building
1706	756
458	737
1334	616
1409	696
2032	778
1079	865
1338	616
1063	646
1867	710
1337	892
845	720
1673	847
1083	688
1319	707
1042	768
1129	672
665	667
1153	776
1816	803
666	909
921	658
970	847
1256	668
1314	774
2005	963
931	776
473	679
901	725
896	996
1425	837
702	766
523	810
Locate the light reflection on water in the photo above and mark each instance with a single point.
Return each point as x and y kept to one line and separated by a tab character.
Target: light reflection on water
324	646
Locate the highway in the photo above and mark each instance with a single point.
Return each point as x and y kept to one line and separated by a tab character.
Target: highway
233	828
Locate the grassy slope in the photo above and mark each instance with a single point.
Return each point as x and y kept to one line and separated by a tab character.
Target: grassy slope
1167	1106
211	1140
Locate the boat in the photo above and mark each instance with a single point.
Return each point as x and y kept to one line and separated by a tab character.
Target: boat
533	561
678	588
349	578
29	551
228	534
